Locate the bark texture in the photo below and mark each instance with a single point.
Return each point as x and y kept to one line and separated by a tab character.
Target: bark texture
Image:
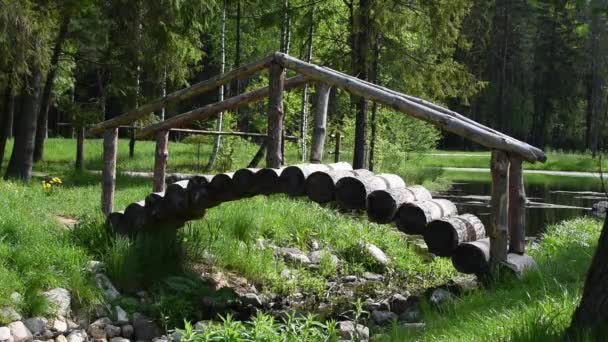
321	185
382	205
352	192
413	217
442	236
293	178
108	173
274	157
499	229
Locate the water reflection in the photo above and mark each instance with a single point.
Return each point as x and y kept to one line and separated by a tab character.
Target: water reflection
550	198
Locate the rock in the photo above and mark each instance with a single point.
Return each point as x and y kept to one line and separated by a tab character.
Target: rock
414	326
462	284
385	305
440	297
370	306
411	315
120	315
95	266
96	332
252	299
72	325
127	331
61	338
144	328
294	255
349	279
16	298
202	325
58	326
119	339
77	336
377	254
60	301
104	283
347	331
102	322
599	209
383	317
399	303
160	339
317	256
5	334
112	331
373	276
20	332
9	315
286	274
314	245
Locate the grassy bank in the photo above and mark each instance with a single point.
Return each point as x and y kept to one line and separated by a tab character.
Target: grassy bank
556	161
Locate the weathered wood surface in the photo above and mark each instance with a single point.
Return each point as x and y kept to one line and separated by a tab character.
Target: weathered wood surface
293	178
517	208
320	123
321	185
266	181
232	134
209	111
352	191
442	236
382	205
472	257
180	95
136	216
108	173
161	154
499	227
413	217
452	124
221	188
243	180
274	154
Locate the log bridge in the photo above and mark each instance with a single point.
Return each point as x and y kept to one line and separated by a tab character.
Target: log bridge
456	236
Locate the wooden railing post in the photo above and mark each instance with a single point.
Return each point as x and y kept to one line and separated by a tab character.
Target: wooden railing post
499	229
318	133
338	149
160	161
275	116
80	149
517	207
131	142
108	173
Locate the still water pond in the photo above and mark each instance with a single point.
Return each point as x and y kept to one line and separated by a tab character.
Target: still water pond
551	199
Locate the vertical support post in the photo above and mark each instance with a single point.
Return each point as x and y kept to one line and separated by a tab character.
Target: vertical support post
80	149
131	142
108	174
517	207
275	116
160	161
338	147
499	229
319	131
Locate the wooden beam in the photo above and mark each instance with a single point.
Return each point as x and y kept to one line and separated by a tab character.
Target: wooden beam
319	131
108	173
180	95
274	157
160	161
441	120
517	208
235	134
499	228
211	110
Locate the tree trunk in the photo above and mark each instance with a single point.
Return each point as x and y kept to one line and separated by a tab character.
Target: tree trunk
375	76
352	192
598	78
22	157
382	205
45	103
108	173
319	132
160	160
321	185
412	218
304	116
499	228
362	72
80	149
293	178
517	208
6	121
442	236
220	116
244	184
592	312
275	116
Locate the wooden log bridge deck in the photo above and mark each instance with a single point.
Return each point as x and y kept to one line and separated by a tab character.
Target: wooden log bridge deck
505	243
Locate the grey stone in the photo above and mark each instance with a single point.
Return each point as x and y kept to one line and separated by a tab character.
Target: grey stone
175	336
599	209
127	331
61	338
112	331
77	336
160	339
5	334
463	284
9	315
252	299
411	315
104	283
202	325
383	317
414	326
96	332
440	297
60	301
349	279
348	331
314	245
385	305
102	322
377	254
20	332
294	255
373	276
16	298
317	256
144	328
286	274
72	325
95	266
370	306
120	315
58	325
399	303
119	339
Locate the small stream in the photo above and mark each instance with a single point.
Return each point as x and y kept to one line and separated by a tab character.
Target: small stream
551	199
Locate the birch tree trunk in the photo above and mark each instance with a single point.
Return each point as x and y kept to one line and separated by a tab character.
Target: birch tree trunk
304	113
361	69
220	116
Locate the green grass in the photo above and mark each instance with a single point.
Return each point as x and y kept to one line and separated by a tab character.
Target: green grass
556	161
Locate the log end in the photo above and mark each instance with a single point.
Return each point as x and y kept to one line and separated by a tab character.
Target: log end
320	187
292	181
381	207
267	181
471	259
441	238
350	194
243	181
411	220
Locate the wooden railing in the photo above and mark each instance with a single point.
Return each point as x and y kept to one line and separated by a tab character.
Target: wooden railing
507	232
